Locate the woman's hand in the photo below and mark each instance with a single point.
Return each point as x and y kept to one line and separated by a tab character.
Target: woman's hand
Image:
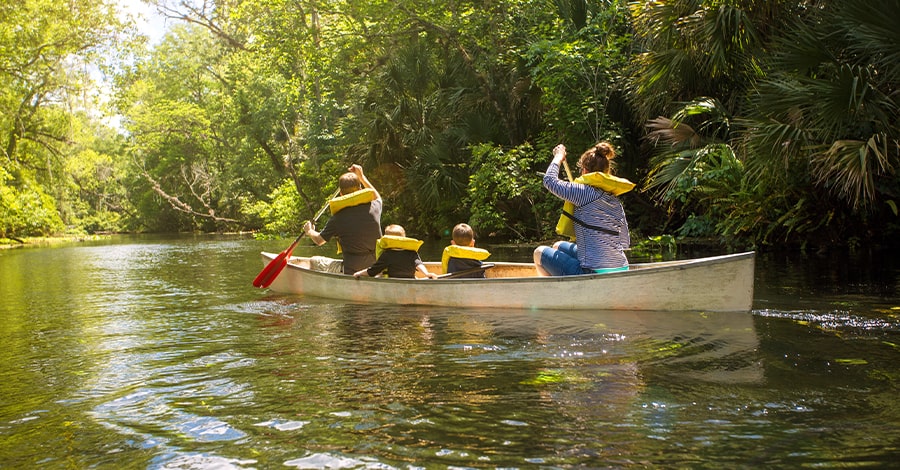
559	153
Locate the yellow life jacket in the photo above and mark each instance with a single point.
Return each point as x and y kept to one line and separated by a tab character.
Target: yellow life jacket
602	181
466	252
353	199
393	242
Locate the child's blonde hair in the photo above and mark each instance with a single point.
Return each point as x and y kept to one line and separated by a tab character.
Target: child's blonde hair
395	230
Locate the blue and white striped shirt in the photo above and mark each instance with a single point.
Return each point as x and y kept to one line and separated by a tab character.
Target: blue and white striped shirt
596	250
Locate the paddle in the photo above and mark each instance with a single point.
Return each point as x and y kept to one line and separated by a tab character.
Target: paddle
273	269
466	271
568	171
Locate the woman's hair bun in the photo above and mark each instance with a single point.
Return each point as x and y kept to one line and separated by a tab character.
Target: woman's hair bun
604	149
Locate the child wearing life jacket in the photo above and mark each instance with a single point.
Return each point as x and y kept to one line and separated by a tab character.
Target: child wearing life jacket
462	254
398	255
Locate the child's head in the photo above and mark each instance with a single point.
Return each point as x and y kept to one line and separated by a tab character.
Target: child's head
395	230
463	235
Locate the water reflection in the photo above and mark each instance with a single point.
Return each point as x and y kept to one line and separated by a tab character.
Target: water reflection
490	381
157	353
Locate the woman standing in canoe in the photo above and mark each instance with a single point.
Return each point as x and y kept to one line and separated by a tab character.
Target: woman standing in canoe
592	216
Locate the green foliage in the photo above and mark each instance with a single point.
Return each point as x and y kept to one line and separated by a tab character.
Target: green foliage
699	226
579	71
655	248
828	105
45	49
25	209
281	215
767	122
189	164
804	99
694	172
506	195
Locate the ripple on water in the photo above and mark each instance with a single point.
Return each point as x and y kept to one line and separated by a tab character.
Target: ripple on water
198	461
837	319
327	460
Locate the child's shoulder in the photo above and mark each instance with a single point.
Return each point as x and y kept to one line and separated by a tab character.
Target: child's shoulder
471	252
394	242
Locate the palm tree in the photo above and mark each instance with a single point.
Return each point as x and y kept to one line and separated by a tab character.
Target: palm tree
695	168
813	103
829	104
692	48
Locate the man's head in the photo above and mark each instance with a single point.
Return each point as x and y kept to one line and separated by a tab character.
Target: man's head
349	183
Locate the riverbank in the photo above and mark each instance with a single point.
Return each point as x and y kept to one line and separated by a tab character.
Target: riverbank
7	243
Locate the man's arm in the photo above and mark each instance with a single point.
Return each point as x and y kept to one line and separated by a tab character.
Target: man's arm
362	179
310	230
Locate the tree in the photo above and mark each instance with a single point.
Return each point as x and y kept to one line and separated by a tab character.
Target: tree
45	49
809	89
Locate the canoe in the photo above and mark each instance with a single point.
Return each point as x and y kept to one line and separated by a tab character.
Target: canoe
714	284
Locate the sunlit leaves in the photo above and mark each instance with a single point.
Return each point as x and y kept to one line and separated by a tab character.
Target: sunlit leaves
46	52
851	167
25	208
507	196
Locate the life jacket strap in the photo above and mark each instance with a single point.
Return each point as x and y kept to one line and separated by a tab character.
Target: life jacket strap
592	227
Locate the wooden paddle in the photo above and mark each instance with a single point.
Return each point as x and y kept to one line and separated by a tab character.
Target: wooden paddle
267	276
568	171
466	271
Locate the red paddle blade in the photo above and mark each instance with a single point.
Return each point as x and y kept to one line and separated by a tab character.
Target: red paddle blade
271	271
274	273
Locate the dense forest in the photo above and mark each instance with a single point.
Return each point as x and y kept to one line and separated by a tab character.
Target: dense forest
752	122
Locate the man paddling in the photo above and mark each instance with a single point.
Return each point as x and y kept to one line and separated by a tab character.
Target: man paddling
355	221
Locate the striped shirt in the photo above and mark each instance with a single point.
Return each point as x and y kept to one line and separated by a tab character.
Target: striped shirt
596	250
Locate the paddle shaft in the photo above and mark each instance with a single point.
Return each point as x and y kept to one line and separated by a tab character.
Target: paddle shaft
322	210
466	271
568	170
274	268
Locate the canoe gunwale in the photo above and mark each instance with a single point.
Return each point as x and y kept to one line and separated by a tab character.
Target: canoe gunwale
682	285
637	269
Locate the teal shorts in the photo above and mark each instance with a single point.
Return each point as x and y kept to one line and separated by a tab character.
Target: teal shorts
608	270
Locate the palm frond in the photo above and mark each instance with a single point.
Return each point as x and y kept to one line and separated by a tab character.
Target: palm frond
850	166
870	29
671	134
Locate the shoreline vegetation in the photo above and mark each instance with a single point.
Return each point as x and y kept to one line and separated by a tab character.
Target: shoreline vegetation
764	128
24	242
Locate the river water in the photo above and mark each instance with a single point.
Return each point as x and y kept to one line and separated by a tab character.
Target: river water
157	353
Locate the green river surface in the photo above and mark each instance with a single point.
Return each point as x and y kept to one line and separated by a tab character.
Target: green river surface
155	352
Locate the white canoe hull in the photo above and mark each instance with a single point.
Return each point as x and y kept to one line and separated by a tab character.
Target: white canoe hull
715	284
